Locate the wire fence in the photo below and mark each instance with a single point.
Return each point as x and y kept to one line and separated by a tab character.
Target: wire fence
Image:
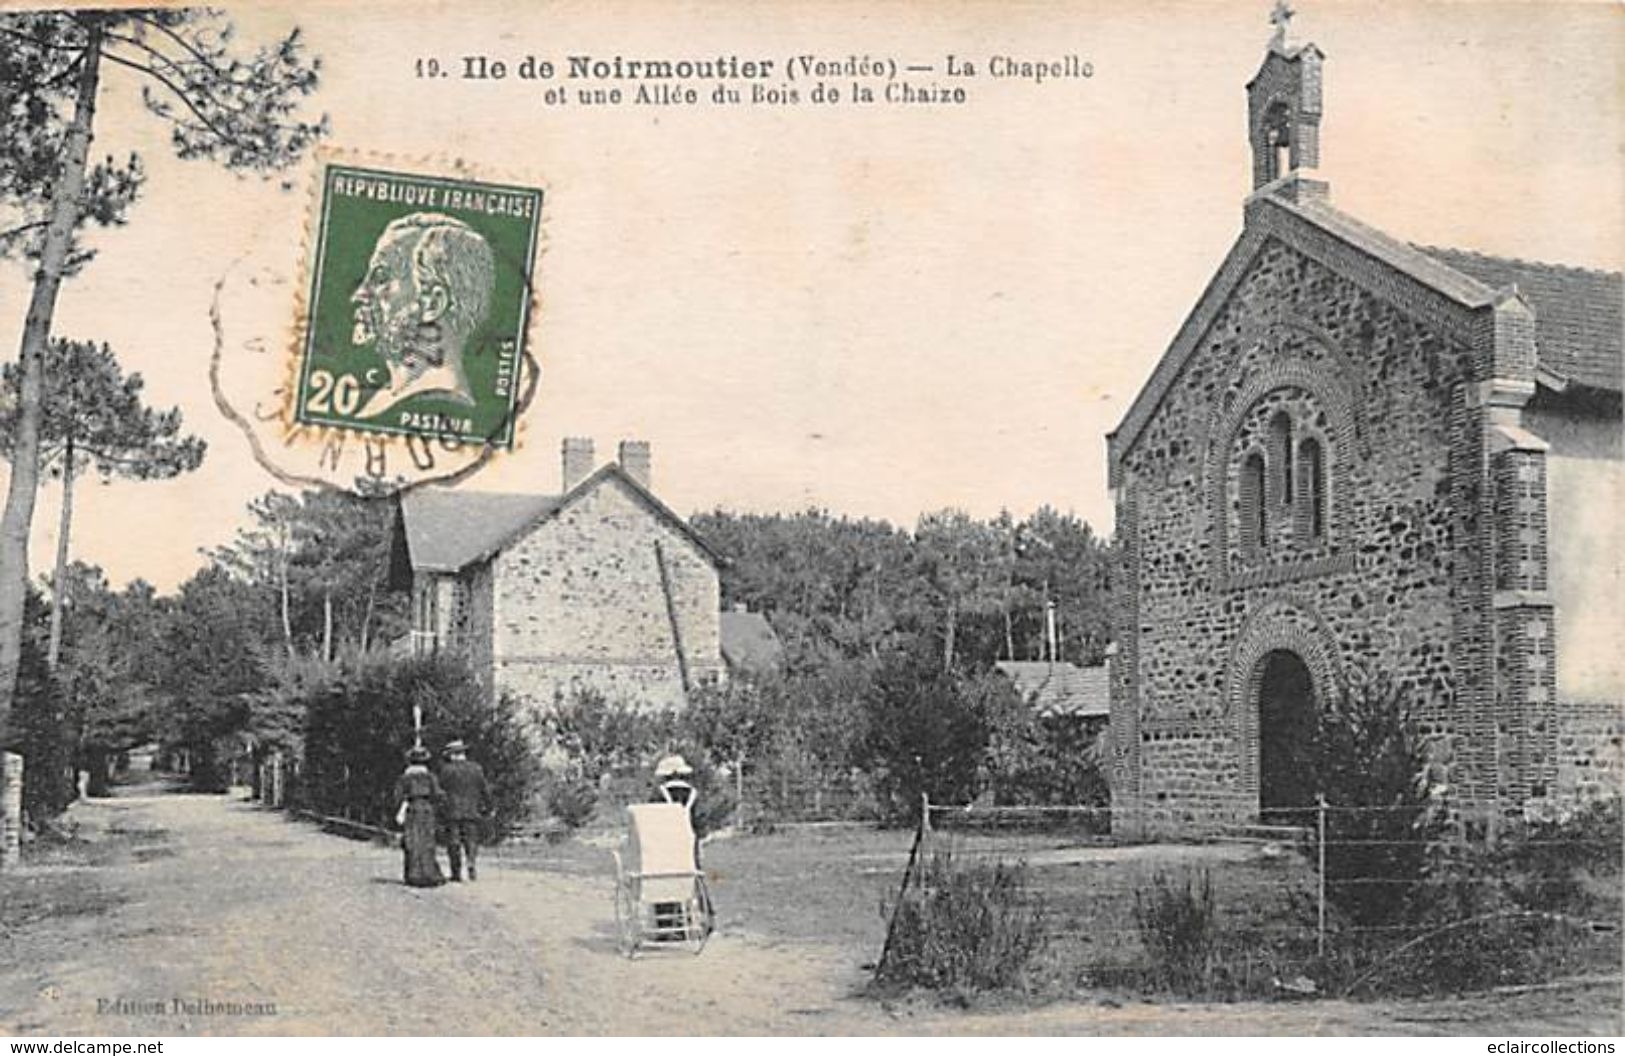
767	800
1322	898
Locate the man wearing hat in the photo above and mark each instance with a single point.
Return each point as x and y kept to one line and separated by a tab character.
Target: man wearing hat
467	798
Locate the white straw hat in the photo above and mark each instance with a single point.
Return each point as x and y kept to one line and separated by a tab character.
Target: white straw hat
673	766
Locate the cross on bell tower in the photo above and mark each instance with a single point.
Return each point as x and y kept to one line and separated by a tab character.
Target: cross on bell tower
1280	18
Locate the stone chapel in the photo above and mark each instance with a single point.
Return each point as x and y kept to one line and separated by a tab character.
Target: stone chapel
1362	455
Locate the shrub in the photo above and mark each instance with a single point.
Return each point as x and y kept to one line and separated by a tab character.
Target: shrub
1541	901
927	731
1382	822
1178	928
609	748
1569	864
963	929
358	726
1035	760
600	735
571	800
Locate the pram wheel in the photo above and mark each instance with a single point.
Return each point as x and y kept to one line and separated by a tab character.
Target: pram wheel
700	919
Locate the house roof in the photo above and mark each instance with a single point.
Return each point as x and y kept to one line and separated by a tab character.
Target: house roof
748	643
1060	688
446	530
1579	313
1573	307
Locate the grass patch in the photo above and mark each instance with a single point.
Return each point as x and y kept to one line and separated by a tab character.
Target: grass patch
27	898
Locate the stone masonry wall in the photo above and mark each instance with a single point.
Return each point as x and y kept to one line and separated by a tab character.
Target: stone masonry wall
1377	390
579	601
1590	757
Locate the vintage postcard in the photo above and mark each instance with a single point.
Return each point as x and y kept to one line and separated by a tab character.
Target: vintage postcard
964	518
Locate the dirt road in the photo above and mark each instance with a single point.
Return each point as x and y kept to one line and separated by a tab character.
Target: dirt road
219	918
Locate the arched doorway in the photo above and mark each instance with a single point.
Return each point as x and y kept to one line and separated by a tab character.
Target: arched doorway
1287	716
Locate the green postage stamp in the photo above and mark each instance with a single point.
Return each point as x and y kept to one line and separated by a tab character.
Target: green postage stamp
420	296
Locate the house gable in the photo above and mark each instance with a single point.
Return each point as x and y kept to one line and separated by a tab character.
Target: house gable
609	588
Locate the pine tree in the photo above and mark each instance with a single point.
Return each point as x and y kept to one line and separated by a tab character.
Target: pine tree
93	418
234	106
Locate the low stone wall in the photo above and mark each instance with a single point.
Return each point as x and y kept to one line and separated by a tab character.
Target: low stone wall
1590	756
11	809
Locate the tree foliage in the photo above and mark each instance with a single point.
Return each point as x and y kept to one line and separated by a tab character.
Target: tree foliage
322	559
216	665
47	776
839	588
92	416
928	731
96	412
235	106
111	667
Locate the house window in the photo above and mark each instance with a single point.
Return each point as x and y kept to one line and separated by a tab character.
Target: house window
1254	522
1312	457
424	616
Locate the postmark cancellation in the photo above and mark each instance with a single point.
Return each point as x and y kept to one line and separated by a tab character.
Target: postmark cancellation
411	356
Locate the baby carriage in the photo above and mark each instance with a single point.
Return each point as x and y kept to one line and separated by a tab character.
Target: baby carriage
660	892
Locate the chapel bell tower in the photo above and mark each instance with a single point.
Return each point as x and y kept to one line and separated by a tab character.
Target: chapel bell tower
1283	112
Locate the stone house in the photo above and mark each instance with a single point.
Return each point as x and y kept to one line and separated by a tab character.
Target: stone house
600	585
1364	455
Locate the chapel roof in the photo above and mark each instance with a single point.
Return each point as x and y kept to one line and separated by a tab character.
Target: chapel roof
1579	312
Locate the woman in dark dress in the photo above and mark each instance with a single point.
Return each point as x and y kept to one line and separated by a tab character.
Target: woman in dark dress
418	790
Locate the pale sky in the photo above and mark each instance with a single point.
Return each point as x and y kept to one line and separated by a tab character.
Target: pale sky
877	310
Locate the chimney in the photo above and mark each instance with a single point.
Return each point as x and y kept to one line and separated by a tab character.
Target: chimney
577	460
634	459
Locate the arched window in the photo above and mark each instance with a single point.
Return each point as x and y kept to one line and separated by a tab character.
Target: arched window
1277	144
1312	458
1254	521
1281	456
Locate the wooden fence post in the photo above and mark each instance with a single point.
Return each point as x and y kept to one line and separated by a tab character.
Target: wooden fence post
1320	927
910	872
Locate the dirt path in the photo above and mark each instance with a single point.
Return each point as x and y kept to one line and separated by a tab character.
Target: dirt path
217	901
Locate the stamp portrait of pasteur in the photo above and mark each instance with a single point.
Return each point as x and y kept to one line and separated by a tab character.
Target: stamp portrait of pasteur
426	290
420	304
